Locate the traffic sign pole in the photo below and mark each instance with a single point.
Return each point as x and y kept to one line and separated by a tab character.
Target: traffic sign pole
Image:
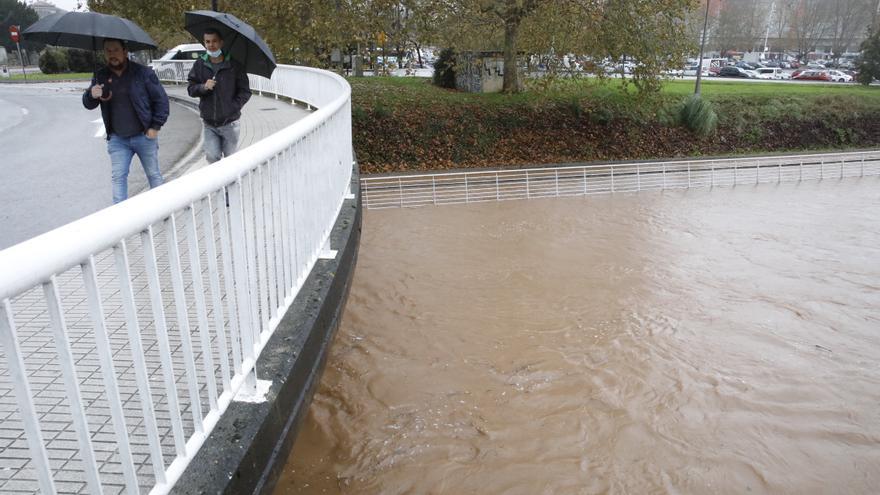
21	59
14	33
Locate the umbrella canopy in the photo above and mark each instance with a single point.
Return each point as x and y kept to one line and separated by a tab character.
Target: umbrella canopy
240	40
87	30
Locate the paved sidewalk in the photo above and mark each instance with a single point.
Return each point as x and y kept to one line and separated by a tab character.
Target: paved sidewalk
260	117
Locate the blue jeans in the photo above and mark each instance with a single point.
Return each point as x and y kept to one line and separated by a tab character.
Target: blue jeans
221	141
122	150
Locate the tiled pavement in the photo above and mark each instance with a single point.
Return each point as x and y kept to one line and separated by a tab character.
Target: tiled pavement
261	117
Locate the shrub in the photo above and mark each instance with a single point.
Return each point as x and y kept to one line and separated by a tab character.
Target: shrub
80	60
698	116
444	69
53	61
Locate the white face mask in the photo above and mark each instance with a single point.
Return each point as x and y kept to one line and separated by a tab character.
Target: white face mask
215	54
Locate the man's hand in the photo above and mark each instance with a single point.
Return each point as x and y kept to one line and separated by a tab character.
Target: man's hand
209	84
98	91
152	133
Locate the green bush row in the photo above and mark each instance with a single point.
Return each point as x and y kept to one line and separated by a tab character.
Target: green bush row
60	60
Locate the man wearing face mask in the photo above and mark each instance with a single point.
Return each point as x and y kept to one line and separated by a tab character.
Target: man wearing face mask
134	107
221	85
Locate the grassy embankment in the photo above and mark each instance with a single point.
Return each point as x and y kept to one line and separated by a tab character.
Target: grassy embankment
17	76
408	124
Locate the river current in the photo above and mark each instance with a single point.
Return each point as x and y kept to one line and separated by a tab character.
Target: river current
721	341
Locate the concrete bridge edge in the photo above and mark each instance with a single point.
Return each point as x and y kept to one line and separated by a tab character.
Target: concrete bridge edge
246	451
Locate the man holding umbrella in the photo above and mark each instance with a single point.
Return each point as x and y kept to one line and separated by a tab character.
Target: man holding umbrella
219	79
221	85
134	107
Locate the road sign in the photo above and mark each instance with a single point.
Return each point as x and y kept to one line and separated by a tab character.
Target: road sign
14	33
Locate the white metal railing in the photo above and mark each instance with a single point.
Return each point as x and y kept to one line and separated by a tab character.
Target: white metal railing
414	190
125	335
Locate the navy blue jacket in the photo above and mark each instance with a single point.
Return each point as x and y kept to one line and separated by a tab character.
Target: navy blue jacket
147	96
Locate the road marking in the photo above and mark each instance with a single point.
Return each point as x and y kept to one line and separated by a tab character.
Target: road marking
100	131
24	111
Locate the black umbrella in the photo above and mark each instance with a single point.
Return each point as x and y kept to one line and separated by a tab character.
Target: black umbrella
87	30
240	40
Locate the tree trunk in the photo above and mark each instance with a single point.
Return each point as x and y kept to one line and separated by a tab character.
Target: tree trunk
511	75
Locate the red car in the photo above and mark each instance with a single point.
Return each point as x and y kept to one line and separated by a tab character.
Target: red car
811	75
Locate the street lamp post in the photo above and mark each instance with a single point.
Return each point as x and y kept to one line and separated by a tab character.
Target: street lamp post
702	46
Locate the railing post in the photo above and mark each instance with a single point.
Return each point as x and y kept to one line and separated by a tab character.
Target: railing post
366	193
821	169
161	328
664	175
612	178
734	174
557	182
638	177
434	189
71	383
467	197
585	180
24	397
528	186
712	176
689	175
862	174
841	168
801	171
400	192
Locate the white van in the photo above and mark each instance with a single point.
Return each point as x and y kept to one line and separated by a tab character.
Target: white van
772	73
190	51
176	63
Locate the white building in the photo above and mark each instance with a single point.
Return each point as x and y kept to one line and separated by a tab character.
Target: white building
44	8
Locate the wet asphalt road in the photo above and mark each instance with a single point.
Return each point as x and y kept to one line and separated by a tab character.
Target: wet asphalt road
53	167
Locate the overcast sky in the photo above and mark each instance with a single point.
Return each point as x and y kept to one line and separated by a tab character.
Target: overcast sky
65	4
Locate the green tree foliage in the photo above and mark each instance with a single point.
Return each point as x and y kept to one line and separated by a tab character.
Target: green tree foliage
869	67
652	33
16	13
649	32
297	31
444	69
53	61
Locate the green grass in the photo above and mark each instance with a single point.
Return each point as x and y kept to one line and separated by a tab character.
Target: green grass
71	76
401	91
715	87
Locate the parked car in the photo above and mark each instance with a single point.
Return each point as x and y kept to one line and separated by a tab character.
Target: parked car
691	70
838	76
731	71
190	51
813	75
747	65
771	73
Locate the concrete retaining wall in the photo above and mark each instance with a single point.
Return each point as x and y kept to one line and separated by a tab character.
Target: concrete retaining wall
247	449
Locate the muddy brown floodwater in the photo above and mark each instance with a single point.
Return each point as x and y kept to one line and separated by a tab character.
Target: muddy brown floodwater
720	341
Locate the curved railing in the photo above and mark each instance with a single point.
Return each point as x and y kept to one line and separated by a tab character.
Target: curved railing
126	334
